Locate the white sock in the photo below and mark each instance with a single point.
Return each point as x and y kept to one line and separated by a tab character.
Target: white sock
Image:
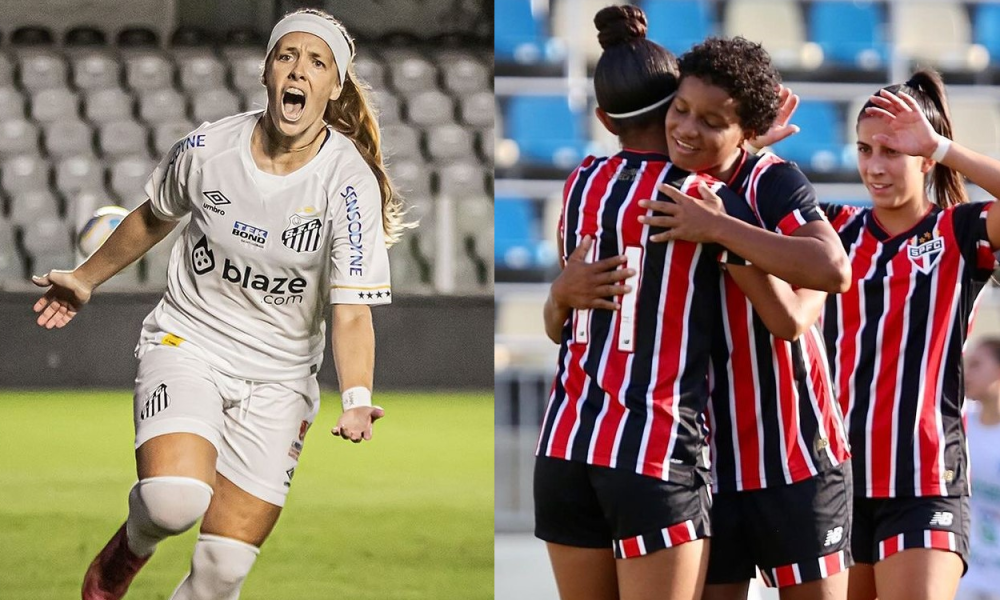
218	568
159	507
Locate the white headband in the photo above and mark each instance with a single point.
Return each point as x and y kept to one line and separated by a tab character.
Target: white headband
321	28
634	113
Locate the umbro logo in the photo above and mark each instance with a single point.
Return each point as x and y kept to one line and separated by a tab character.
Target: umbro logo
942	518
217	199
834	536
157	401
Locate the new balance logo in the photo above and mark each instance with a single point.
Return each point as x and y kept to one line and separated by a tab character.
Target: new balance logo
834	536
157	401
942	519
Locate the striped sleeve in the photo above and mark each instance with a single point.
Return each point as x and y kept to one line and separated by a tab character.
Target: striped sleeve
973	240
784	198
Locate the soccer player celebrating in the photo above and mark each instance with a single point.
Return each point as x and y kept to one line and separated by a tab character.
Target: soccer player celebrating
982	384
896	337
291	210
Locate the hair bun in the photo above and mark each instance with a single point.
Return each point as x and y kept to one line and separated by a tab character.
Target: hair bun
620	25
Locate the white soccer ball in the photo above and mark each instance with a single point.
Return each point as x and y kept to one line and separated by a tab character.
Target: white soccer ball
99	227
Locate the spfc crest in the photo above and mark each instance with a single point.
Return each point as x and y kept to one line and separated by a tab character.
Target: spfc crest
925	256
303	233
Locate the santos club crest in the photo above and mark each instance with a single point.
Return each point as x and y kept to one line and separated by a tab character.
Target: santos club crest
926	254
303	233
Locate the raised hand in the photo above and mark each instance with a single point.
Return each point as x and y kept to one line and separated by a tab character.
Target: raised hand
781	128
911	132
66	295
357	424
583	285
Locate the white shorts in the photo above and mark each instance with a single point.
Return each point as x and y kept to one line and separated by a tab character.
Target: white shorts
258	428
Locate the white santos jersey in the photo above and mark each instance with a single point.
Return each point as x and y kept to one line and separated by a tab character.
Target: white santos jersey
249	280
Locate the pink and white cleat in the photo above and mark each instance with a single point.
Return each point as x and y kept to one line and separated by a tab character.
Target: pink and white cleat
112	571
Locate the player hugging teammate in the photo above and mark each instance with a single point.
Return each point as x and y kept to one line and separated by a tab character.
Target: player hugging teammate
291	213
713	299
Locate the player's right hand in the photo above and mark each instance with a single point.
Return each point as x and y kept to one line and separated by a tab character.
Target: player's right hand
65	296
583	285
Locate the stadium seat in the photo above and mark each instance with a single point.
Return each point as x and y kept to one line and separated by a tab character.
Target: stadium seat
199	72
976	123
32	206
370	70
106	105
148	71
850	33
680	24
546	129
212	105
94	71
462	180
42	69
422	210
472	248
11	104
26	173
478	109
11	268
406	269
84	37
464	74
412	178
128	178
520	35
430	108
119	138
75	174
400	142
987	29
48	236
18	136
516	232
54	104
246	69
68	137
938	34
162	105
413	74
165	135
779	26
449	141
487	146
820	145
388	107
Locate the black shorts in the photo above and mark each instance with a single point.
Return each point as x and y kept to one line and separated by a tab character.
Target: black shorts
795	533
586	506
885	526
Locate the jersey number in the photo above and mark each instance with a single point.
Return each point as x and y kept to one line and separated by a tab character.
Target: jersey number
627	312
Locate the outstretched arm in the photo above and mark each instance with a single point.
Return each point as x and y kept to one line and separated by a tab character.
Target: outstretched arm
787	313
70	290
354	355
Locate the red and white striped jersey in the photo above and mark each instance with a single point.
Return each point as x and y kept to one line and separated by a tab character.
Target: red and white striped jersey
773	416
631	386
895	342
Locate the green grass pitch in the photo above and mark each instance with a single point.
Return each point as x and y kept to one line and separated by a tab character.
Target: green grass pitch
406	516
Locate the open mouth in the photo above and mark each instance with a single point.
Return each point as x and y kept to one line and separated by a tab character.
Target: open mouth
293	103
684	147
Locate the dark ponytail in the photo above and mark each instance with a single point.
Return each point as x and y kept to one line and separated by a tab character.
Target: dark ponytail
633	72
927	88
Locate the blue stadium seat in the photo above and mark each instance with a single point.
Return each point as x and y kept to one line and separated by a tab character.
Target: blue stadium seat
519	36
516	232
819	146
680	24
545	129
987	29
849	32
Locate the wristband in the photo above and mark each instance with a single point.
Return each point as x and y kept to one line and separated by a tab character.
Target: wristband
942	149
753	150
355	397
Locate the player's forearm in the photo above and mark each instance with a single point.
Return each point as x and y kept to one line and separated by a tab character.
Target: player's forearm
353	336
556	316
134	236
981	170
811	262
786	312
